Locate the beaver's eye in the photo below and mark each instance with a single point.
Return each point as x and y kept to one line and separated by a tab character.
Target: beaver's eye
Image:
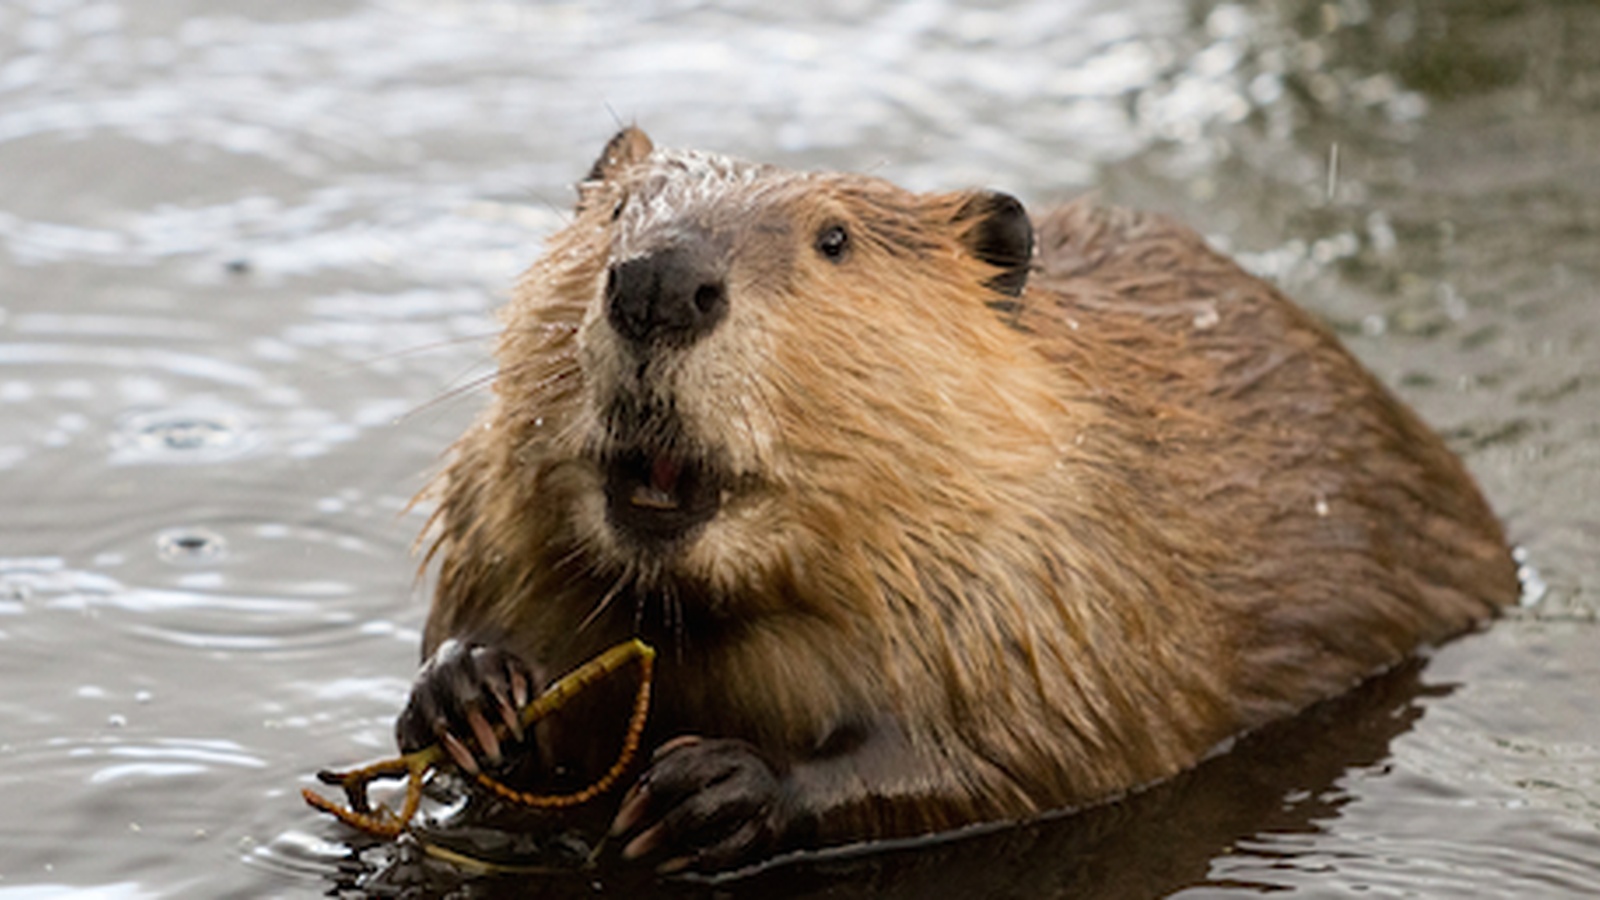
833	242
616	211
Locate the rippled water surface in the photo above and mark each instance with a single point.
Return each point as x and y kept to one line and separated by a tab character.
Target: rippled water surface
249	254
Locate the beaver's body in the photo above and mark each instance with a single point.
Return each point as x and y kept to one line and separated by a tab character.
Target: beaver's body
922	545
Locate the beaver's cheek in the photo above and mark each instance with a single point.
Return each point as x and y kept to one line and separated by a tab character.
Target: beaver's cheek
600	359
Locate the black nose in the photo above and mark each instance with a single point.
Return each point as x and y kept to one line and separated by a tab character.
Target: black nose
675	295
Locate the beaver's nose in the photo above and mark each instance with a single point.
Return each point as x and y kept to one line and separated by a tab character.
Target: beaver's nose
675	295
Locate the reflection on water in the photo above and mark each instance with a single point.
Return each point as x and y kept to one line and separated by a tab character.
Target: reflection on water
248	260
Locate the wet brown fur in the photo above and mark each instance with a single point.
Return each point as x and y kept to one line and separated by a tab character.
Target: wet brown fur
978	560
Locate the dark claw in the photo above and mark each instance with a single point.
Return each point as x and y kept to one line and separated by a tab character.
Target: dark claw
520	695
704	805
511	719
459	752
484	734
457	694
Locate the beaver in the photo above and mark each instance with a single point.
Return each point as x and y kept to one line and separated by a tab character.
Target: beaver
938	515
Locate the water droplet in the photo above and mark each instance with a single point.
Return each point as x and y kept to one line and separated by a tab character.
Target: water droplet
189	434
1455	305
190	545
180	434
1534	587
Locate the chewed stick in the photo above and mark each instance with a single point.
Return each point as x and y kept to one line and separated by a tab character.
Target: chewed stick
414	766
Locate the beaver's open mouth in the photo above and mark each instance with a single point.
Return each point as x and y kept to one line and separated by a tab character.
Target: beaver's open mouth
655	498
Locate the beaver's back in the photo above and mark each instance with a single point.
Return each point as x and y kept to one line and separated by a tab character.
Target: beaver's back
1352	532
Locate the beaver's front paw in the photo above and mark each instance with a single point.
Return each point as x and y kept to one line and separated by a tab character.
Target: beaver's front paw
459	698
704	805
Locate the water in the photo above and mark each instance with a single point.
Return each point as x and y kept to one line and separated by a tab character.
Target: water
249	255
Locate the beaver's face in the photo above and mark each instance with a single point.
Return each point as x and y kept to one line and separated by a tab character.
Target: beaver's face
673	347
759	351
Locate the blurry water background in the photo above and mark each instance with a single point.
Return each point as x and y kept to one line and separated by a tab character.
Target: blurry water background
249	254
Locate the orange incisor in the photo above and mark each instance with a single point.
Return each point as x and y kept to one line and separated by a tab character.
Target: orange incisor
414	766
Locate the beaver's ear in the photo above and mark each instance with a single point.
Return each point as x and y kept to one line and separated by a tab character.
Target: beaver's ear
626	147
995	228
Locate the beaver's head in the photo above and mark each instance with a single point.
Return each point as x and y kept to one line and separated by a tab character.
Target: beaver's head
720	368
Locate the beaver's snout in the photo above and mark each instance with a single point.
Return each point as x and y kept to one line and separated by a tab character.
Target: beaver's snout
675	295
